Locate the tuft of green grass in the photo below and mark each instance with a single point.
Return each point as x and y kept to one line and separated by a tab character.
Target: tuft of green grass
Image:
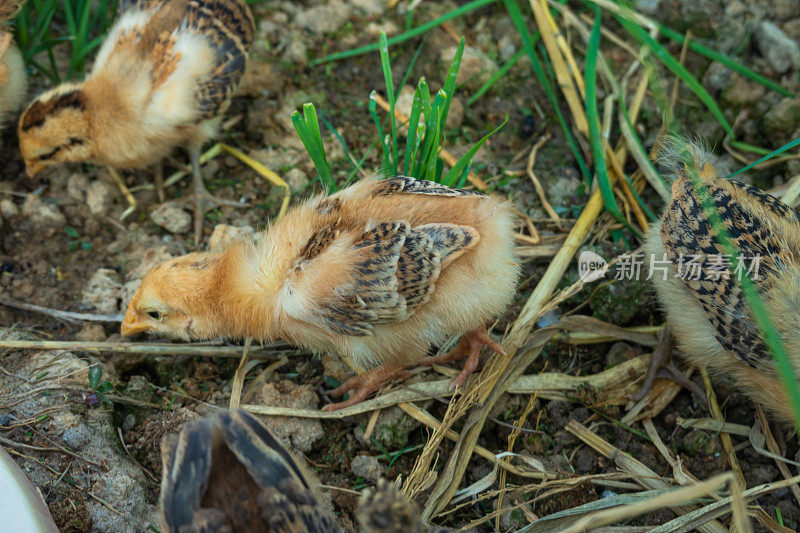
307	127
80	25
426	129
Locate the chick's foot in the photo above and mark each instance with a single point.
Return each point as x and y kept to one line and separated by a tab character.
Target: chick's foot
469	347
204	200
661	366
365	384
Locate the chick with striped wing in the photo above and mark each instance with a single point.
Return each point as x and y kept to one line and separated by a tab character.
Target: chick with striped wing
163	77
377	273
706	309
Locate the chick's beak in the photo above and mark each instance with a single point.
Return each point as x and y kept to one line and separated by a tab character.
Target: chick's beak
33	167
133	324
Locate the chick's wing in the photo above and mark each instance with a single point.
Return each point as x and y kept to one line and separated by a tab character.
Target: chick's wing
392	266
689	236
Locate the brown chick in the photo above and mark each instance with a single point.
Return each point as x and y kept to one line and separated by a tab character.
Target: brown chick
377	273
163	78
706	311
13	78
229	473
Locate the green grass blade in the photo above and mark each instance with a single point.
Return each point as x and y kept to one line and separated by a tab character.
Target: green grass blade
672	64
749	148
387	76
312	123
432	136
499	74
410	67
528	45
78	48
425	97
43	23
21	30
69	16
725	60
51	58
336	134
415	151
91	45
373	111
412	141
450	82
462	180
593	118
425	100
419	30
787	146
307	127
433	150
453	175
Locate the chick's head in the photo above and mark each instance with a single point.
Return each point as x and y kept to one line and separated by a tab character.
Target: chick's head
176	300
55	129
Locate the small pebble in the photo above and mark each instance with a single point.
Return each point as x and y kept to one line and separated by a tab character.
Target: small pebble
172	218
367	467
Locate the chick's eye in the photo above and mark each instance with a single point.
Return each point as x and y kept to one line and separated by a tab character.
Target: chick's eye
155	315
48	155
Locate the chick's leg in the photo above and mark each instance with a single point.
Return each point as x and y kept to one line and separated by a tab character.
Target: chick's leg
365	384
661	366
469	347
159	181
203	200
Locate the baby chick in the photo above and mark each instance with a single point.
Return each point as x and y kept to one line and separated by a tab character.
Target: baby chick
377	273
163	78
706	310
13	78
229	473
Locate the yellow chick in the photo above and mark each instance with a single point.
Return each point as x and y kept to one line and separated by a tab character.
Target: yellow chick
706	310
377	273
227	472
13	78
162	78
